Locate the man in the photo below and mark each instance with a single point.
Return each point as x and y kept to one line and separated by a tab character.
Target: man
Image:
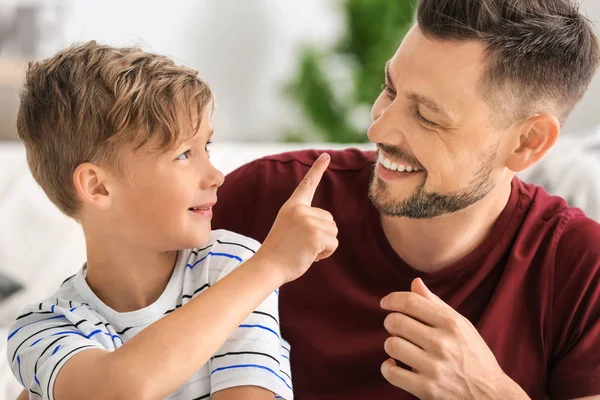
470	283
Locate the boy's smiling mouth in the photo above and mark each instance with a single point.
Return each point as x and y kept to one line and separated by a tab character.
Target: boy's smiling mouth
204	210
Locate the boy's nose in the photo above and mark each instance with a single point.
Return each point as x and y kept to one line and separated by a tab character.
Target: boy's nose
212	177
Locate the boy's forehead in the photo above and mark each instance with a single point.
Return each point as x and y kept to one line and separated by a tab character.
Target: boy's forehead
200	135
188	131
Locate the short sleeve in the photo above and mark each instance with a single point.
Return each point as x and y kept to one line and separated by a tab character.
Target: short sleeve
575	360
255	354
40	342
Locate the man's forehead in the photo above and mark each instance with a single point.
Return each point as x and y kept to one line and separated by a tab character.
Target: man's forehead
422	48
446	71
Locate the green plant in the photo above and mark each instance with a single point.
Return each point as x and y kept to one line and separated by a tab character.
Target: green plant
374	30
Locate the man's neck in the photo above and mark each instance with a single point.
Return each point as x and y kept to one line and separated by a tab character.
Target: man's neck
430	245
126	279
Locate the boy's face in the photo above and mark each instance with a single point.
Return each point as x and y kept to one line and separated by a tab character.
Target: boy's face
165	202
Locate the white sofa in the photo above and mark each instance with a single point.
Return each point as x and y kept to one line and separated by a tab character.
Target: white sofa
40	247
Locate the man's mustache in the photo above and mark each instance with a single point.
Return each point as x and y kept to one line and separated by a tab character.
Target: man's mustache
399	154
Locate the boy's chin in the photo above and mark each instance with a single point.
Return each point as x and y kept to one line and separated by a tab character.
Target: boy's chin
187	240
198	239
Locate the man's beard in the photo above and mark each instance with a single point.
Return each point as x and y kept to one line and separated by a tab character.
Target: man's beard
424	205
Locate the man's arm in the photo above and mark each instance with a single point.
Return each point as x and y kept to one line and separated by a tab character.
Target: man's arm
575	330
448	357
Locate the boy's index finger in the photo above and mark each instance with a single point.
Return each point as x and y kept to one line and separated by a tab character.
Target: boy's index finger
306	189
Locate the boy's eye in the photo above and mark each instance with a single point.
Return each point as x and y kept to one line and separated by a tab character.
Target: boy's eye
185	155
207	146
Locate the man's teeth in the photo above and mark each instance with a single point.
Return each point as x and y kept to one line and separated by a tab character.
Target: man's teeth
392	166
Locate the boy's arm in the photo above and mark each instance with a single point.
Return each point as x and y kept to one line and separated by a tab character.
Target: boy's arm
244	392
144	368
254	354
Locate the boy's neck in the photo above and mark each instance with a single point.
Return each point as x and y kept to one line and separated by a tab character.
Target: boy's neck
127	279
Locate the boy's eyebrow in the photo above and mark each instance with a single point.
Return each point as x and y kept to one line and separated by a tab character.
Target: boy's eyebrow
197	137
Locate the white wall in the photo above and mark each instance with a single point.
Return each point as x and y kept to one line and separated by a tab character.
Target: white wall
244	48
587	113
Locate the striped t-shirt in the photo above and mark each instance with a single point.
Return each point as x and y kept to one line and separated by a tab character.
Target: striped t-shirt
47	334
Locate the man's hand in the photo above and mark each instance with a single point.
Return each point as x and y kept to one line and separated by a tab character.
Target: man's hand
448	357
301	234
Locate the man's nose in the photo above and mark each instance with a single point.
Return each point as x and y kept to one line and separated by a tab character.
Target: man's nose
387	126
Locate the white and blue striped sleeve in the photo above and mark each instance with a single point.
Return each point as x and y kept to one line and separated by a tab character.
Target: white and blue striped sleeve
39	343
255	354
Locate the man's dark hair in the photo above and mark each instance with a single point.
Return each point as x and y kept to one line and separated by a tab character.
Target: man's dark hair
541	55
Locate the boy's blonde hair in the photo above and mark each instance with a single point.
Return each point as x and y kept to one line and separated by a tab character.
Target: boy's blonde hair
87	101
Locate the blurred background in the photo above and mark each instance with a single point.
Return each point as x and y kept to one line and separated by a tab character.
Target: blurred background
286	75
293	70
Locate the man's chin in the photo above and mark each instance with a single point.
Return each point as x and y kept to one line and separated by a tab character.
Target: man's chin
382	197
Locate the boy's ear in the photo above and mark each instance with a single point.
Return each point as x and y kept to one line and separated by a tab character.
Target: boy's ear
92	185
537	135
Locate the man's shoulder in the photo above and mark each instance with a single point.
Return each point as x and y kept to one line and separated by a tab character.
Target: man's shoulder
346	160
278	175
252	195
579	239
574	236
553	211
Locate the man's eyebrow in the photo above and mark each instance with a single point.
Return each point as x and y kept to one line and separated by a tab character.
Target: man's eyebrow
430	104
388	76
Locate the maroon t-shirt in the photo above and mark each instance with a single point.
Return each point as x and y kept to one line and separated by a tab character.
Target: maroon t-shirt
532	288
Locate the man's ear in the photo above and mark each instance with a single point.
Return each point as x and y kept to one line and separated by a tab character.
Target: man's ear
92	185
537	135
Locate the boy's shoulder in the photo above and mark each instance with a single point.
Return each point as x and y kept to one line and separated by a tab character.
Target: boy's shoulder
226	242
224	251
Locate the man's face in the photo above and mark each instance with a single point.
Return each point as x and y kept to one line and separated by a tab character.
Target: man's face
439	151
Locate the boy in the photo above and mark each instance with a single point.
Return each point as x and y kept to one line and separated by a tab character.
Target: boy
117	138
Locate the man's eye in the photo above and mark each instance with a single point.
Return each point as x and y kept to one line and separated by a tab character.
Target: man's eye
388	90
185	155
424	120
